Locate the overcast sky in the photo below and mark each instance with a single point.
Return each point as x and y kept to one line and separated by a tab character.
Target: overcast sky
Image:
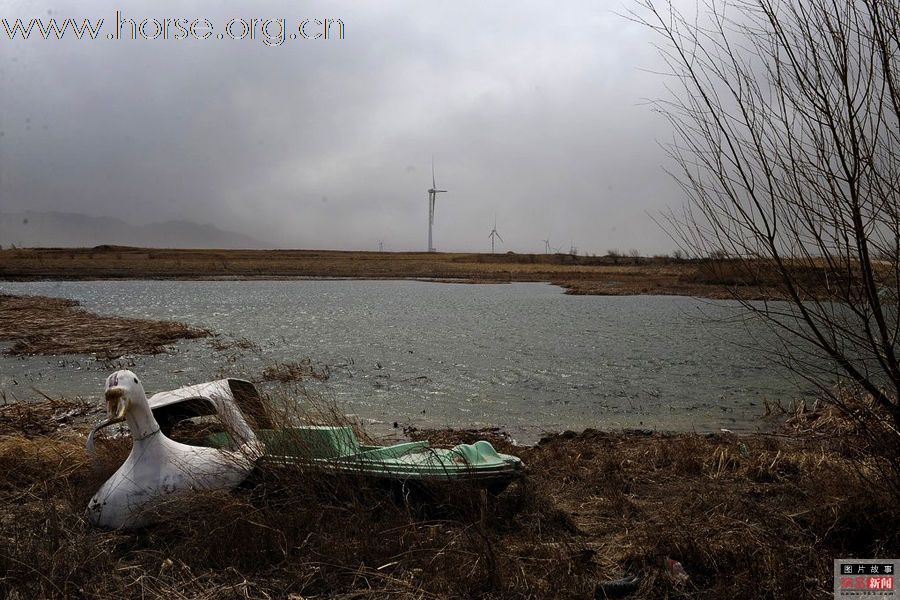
534	111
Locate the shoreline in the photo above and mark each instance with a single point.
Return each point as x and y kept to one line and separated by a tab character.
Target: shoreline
577	275
594	507
732	508
569	288
26	319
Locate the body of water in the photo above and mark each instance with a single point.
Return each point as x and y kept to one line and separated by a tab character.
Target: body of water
525	357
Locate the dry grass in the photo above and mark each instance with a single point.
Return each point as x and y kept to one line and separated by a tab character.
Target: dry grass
603	275
743	515
287	372
853	420
748	517
45	417
222	343
39	325
289	532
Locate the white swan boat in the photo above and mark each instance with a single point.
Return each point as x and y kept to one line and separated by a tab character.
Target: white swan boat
236	403
159	467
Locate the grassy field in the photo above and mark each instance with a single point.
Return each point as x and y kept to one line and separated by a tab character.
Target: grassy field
607	275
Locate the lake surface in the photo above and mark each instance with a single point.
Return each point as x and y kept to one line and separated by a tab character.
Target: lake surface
524	356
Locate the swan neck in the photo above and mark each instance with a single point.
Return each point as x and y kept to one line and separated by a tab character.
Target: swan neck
140	420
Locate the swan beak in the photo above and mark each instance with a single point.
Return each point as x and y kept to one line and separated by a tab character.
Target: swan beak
116	404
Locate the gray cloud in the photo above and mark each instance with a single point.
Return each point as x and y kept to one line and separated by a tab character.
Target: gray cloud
532	112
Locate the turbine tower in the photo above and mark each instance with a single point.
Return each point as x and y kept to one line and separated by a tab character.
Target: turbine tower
494	234
432	196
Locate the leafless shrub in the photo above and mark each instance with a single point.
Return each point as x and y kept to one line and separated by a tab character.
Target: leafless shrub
787	144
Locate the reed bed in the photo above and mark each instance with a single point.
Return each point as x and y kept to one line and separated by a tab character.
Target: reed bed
40	325
746	516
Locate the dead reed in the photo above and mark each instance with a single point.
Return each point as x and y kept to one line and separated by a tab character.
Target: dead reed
39	325
747	516
220	343
287	372
605	275
44	417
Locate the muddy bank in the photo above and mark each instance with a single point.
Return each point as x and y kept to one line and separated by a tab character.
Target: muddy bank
40	325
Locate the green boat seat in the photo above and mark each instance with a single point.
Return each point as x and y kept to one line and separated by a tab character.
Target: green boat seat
309	441
477	454
337	450
220	439
391	452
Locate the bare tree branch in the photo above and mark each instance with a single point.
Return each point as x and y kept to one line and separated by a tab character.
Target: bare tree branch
786	121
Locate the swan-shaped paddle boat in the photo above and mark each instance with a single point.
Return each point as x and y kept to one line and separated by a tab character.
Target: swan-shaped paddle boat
158	467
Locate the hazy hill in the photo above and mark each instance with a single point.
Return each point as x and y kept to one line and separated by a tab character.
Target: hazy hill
56	229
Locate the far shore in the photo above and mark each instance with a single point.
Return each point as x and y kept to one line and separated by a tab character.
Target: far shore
610	275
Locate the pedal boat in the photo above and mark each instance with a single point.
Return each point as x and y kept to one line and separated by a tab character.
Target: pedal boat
332	449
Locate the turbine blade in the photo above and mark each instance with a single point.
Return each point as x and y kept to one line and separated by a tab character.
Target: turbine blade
501	239
433	184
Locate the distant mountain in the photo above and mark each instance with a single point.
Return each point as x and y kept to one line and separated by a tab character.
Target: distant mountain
56	229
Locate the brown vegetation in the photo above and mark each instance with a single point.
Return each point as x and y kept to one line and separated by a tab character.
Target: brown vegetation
43	418
220	343
603	275
39	325
748	517
286	372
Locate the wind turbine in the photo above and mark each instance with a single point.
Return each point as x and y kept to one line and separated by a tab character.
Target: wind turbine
494	233
547	246
432	196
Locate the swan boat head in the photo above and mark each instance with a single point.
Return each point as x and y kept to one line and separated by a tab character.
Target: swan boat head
157	466
127	401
